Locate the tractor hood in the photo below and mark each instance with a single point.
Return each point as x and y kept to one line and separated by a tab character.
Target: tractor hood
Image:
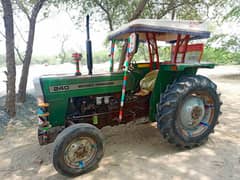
59	86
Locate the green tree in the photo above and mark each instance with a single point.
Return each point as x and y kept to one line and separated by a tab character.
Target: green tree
226	45
116	12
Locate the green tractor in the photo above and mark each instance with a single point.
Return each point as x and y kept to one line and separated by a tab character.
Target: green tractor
74	107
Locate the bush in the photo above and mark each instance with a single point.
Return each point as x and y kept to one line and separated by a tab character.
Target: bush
220	56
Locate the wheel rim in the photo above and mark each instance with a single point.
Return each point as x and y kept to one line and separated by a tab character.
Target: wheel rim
196	114
80	152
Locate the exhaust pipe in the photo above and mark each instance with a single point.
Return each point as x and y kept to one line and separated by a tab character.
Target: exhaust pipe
89	48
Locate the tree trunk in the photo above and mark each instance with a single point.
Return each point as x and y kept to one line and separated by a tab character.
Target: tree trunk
26	63
28	54
10	57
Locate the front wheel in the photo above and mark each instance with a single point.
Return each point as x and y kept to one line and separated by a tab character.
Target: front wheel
78	149
188	111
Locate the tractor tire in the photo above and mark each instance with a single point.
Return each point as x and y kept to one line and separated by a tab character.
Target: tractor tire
78	149
188	111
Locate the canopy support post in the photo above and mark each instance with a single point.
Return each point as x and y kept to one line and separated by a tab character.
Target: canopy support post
150	51
176	49
125	77
156	49
186	40
111	55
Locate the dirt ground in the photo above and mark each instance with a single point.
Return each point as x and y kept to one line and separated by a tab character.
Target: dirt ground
137	151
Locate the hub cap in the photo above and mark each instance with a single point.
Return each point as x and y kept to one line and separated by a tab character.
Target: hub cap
192	112
196	114
80	152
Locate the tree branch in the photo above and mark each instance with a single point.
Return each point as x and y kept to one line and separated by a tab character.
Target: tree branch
19	54
2	34
107	13
24	9
16	49
162	14
139	9
37	8
18	30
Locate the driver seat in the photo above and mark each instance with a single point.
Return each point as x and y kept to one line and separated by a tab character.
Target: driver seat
147	83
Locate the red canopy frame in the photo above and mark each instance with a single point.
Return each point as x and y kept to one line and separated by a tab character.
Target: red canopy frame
183	43
181	47
152	49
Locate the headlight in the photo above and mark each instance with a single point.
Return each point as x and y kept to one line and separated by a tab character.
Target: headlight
39	94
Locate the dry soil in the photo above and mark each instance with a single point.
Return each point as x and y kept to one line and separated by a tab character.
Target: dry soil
137	151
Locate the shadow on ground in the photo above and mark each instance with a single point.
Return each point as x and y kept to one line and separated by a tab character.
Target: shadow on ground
137	151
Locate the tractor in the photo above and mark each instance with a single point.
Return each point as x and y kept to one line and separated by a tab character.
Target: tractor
72	108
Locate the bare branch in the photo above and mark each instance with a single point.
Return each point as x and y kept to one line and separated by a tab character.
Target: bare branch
16	49
3	34
19	54
69	15
24	9
107	12
160	15
20	33
6	73
139	9
37	7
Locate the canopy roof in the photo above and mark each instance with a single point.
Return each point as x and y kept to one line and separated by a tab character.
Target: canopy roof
165	30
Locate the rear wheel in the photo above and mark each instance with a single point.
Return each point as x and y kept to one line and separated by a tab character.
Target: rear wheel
78	149
188	111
